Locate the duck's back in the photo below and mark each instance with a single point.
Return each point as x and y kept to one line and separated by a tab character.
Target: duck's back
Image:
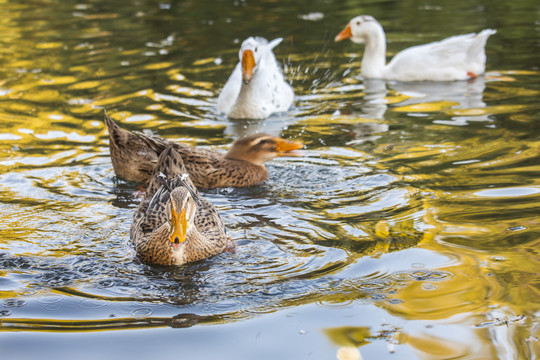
134	156
210	169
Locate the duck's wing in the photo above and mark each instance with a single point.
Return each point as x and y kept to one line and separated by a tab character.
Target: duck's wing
209	223
151	213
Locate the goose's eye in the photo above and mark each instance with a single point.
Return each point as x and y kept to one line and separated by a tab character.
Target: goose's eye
358	23
256	49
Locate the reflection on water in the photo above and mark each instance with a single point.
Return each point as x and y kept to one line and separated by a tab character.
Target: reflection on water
409	225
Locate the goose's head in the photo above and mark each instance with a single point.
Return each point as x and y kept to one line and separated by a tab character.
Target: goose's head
359	29
260	148
180	211
252	54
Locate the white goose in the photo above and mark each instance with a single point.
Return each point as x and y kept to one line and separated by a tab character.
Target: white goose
458	57
256	88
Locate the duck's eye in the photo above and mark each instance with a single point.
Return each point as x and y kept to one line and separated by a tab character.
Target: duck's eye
190	211
169	212
256	49
358	23
266	141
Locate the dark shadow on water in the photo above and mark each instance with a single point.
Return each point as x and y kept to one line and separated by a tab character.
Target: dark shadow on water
49	325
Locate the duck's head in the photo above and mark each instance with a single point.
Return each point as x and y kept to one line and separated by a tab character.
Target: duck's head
252	53
180	211
359	29
260	148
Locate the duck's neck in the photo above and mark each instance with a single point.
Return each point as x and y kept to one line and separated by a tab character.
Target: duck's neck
240	155
374	59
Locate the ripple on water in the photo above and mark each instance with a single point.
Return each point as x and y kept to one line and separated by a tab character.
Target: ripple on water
282	255
13	303
141	312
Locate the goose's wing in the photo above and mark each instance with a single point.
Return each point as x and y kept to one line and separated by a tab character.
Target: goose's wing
230	91
454	58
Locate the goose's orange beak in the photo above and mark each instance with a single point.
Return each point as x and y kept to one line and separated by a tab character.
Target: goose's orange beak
285	148
178	228
248	64
344	34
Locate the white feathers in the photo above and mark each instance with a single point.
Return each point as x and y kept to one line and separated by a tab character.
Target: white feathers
456	58
264	92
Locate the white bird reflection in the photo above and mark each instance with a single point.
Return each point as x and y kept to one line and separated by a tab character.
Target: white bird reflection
272	125
373	103
466	94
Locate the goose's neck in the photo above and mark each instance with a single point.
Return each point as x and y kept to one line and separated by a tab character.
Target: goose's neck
252	98
374	59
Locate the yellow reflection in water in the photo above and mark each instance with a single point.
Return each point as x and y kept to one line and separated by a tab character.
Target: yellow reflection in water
426	107
497	109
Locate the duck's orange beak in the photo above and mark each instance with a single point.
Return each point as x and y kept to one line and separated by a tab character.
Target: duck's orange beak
178	228
248	64
285	148
344	34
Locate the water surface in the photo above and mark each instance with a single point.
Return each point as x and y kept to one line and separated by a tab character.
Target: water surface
408	228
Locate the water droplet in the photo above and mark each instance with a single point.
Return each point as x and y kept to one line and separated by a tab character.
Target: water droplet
49	299
401	276
106	283
428	286
141	312
370	286
13	303
91	304
53	307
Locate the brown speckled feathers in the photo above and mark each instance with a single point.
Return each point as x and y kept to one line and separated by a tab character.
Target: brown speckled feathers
151	227
134	156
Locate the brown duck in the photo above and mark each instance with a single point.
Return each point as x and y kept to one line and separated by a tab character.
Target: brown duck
173	224
134	156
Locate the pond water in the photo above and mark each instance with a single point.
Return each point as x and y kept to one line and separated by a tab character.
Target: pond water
409	228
